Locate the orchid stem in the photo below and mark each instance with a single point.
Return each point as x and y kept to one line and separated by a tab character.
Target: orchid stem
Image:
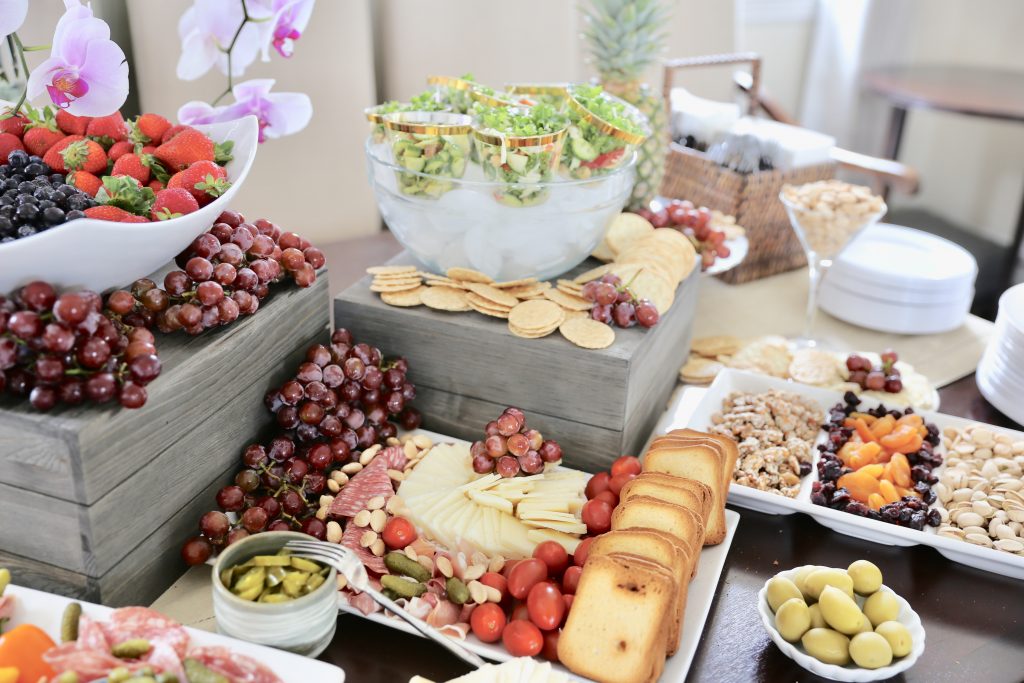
36	48
24	68
231	79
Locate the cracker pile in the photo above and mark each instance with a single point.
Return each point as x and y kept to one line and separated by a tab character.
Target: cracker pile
397	285
652	261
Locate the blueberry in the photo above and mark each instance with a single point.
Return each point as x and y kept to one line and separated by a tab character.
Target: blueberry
26	231
35	169
27	212
57	178
79	202
17	158
934	518
53	215
74	215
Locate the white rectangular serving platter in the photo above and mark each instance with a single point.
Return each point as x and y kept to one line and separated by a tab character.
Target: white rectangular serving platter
699	597
682	413
46	609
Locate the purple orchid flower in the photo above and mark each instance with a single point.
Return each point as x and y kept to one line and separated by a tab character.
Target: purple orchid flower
206	30
12	15
279	114
86	74
289	20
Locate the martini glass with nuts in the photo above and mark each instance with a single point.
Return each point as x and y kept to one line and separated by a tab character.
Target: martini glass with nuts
826	216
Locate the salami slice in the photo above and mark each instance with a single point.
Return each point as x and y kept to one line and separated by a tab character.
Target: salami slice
350	539
165	659
233	666
139	622
394	456
369	483
88	664
91	635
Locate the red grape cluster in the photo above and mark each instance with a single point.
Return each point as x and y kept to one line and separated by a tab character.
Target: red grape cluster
336	405
64	349
614	302
885	377
695	224
225	274
511	448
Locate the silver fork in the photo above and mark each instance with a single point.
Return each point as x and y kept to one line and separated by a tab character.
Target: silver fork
351	567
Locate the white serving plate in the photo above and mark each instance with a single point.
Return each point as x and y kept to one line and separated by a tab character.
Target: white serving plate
738	248
852	673
699	597
682	413
98	255
45	611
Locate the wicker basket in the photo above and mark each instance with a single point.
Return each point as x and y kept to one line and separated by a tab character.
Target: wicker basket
753	198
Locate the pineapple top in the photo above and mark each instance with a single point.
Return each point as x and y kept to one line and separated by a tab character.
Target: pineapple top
624	36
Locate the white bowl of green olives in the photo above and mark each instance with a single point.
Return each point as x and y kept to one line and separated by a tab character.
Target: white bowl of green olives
842	624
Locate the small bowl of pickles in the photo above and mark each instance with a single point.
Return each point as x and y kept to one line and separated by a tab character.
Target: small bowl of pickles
265	595
843	624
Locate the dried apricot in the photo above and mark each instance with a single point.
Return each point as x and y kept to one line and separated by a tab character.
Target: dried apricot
876	501
888	491
859	485
883	426
873	470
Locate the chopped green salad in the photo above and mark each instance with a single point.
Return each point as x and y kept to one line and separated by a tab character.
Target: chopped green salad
441	156
425	101
590	151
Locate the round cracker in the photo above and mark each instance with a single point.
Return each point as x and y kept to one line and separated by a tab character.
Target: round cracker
625	229
444	299
603	252
468	275
511	284
475	302
540	314
478	301
390	270
768	356
400	287
530	334
587	333
719	345
569	315
570	301
592	274
648	283
816	367
525	291
699	370
404	299
496	296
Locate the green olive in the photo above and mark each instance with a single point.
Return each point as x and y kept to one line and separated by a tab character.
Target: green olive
864	625
870	650
779	590
827	646
867	578
840	611
820	578
801	575
793	619
817	621
898	637
882	606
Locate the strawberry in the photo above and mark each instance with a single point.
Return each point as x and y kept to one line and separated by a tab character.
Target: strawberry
71	124
184	149
125	192
119	148
108	129
15	125
131	165
148	128
8	143
38	140
75	153
172	203
113	213
174	130
155	185
85	181
204	179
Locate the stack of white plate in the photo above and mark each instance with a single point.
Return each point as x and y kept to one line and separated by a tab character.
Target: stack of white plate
900	280
1001	370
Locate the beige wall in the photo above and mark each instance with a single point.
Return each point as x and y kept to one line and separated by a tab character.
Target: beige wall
783	47
313	182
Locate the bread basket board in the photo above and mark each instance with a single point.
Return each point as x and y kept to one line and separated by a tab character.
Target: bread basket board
683	413
700	596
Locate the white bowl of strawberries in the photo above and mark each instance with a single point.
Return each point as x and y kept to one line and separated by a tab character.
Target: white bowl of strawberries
112	246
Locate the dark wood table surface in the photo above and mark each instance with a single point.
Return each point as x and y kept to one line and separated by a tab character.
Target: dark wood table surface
974	620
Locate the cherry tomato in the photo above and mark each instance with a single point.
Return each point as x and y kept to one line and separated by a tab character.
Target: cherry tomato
608	497
626	464
522	639
553	555
520	613
398	533
507	569
567	599
597	515
597	483
615	484
525	575
579	558
550	649
487	622
571	579
546	606
496	580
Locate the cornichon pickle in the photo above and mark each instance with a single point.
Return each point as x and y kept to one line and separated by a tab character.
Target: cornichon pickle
67	677
168	678
69	622
403	587
196	672
389	594
400	563
253	578
140	679
118	675
5	578
131	649
272	561
294	583
457	590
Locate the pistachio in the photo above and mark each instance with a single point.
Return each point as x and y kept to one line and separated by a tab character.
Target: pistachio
978	539
970	519
1010	545
982	507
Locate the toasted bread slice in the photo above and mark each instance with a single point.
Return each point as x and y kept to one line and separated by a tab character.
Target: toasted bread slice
631	647
699	489
658	665
696	461
645	511
690	551
649	545
729	446
665	487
